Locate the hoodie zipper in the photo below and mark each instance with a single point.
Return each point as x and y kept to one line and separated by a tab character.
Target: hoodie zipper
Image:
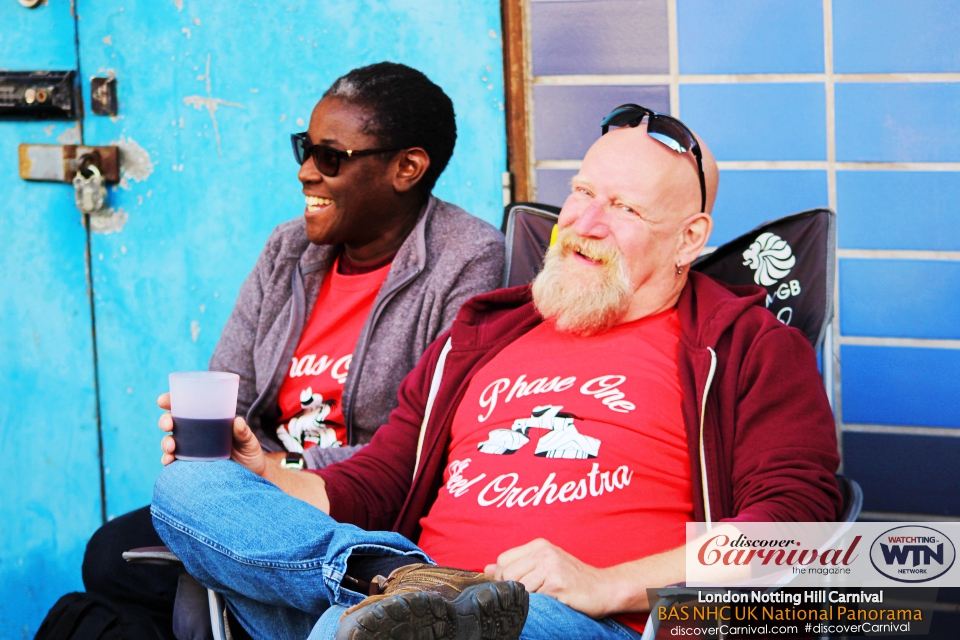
704	485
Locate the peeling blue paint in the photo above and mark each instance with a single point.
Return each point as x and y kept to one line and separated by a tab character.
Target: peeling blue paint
49	477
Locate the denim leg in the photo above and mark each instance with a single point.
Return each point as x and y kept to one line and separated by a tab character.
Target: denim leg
548	619
242	536
270	621
326	627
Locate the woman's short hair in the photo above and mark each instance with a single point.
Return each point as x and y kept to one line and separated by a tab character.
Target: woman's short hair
406	110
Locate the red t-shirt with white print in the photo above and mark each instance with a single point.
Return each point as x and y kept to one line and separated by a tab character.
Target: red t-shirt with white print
579	440
310	394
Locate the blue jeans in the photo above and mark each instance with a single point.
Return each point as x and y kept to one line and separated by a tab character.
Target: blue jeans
279	561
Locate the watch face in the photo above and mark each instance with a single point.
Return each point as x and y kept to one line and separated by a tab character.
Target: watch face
293	461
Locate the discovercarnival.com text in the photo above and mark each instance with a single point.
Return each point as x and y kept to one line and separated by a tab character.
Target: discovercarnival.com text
767	630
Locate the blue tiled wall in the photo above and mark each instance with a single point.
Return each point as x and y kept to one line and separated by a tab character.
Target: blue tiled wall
750	36
900	298
914	210
748	121
567	119
898	122
899	310
895	470
901	386
553	185
749	198
892	36
599	36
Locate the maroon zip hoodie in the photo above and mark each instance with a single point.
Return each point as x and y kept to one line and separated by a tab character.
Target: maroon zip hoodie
766	428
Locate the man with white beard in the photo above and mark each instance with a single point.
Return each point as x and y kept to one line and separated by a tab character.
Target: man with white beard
552	445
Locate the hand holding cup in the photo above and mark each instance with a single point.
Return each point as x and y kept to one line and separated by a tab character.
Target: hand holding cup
206	437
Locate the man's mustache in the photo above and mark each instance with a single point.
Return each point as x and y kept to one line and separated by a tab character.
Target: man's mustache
570	242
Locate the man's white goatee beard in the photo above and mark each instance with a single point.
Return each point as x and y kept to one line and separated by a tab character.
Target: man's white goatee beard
581	299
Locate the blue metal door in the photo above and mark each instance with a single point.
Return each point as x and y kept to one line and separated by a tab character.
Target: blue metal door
208	95
49	465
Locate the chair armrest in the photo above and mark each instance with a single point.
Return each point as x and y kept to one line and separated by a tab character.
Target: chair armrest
152	555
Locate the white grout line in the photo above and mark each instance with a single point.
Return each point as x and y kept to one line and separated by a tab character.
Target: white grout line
898	254
738	78
946	432
915	343
897	77
795	165
773	165
602	80
898	166
752	78
528	89
831	104
558	164
755	165
831	167
673	38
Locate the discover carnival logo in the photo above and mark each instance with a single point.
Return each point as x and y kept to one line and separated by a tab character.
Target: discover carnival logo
912	554
721	550
770	257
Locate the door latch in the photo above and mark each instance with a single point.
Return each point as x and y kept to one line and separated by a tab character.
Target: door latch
88	169
58	163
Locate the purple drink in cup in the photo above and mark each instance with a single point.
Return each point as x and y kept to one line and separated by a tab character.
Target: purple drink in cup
203	405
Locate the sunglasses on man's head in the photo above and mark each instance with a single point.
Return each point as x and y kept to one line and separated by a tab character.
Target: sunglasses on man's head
326	158
662	128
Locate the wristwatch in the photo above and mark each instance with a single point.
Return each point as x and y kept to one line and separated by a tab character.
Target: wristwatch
293	461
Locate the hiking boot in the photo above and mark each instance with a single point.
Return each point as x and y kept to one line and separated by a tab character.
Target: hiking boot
436	603
424	577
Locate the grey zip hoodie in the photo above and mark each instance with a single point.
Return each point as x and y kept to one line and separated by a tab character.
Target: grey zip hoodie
449	257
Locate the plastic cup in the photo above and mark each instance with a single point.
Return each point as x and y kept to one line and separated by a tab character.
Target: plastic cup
203	405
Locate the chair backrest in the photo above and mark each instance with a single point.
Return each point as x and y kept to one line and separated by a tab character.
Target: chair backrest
792	258
526	227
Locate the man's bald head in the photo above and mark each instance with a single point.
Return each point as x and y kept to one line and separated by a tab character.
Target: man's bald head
676	174
627	233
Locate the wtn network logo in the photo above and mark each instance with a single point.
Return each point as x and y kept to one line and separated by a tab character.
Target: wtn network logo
912	554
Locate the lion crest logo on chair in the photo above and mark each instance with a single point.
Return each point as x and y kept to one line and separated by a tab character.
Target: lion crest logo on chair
770	257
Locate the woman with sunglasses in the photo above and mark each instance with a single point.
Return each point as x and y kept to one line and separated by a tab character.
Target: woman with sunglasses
342	301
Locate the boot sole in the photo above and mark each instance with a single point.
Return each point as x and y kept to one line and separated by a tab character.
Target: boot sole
489	611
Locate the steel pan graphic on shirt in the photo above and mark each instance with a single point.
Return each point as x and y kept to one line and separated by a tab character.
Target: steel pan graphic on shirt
563	441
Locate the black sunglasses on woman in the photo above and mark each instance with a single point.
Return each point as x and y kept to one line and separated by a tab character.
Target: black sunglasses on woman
326	157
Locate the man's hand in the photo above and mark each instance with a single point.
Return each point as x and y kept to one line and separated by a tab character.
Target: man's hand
546	568
246	447
306	486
